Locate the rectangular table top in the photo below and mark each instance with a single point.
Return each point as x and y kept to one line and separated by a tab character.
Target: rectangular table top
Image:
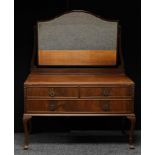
38	79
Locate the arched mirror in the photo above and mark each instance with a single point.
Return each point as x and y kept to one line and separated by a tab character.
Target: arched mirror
77	39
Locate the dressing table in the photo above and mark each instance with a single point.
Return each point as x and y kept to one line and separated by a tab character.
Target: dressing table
77	70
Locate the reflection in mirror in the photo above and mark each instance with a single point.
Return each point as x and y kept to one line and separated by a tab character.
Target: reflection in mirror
77	38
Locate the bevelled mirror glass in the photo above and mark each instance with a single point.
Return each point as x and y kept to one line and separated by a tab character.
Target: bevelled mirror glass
77	38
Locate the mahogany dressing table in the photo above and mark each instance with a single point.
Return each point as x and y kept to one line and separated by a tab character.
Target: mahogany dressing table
77	70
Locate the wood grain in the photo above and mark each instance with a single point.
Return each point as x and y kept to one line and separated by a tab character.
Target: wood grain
77	57
86	106
78	78
102	92
59	92
46	79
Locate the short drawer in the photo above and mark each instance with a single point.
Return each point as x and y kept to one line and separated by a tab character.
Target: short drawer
79	106
101	92
52	92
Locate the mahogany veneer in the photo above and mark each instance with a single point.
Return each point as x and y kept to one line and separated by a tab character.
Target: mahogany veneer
79	106
101	91
80	95
78	57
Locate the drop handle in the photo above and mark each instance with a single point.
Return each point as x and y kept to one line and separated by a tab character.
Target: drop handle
51	92
52	106
105	106
105	92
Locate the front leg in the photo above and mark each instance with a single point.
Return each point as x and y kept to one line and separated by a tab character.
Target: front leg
132	120
26	119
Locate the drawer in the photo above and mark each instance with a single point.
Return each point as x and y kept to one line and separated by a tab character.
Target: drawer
101	92
52	92
79	106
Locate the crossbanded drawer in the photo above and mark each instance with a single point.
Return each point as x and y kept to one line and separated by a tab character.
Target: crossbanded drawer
52	92
102	92
79	106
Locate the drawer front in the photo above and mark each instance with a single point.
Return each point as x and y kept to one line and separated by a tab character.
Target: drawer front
102	92
79	106
52	92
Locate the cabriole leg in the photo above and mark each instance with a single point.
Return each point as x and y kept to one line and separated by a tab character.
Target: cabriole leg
26	119
132	120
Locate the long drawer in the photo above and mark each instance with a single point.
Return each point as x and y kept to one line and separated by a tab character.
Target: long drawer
79	92
79	106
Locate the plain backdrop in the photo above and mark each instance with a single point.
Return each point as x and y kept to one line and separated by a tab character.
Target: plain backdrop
27	13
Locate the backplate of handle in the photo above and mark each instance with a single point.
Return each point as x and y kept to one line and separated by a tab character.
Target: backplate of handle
52	106
106	106
51	92
105	92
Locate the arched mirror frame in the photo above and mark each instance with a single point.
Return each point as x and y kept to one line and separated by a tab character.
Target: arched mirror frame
119	67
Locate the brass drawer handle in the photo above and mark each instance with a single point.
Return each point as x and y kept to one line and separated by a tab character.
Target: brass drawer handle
105	92
52	106
51	92
106	106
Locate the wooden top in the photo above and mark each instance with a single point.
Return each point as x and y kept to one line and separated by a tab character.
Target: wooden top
41	79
